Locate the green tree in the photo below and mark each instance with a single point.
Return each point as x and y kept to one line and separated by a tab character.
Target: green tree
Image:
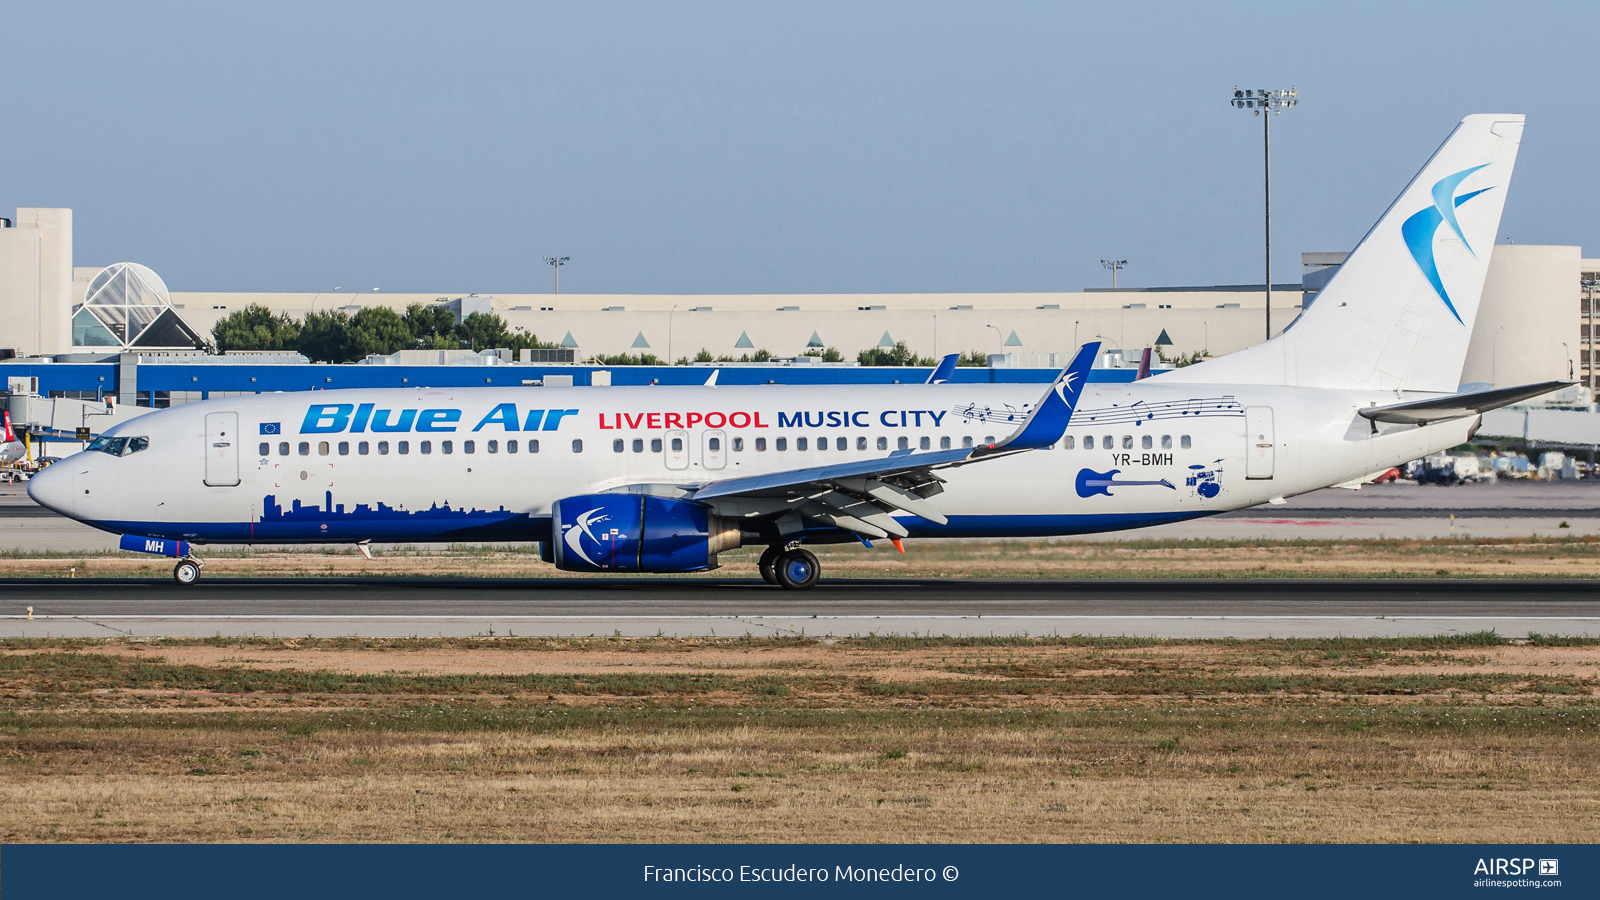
704	356
432	326
973	358
378	329
325	336
831	354
898	355
483	331
623	359
255	328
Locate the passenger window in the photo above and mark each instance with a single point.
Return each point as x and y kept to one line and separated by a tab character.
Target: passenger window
1184	442
738	445
533	446
361	448
322	448
344	448
761	445
944	442
265	448
1067	442
404	448
494	446
1146	442
283	448
883	443
445	447
383	448
467	446
616	446
905	443
677	445
1088	442
800	443
841	443
966	440
1166	442
1127	442
638	445
577	446
861	443
926	443
1107	442
426	446
655	445
988	440
783	444
511	446
305	448
714	444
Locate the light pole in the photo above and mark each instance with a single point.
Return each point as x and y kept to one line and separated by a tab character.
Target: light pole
1207	346
1075	343
1272	103
1119	345
1000	336
670	360
556	262
1568	351
1113	265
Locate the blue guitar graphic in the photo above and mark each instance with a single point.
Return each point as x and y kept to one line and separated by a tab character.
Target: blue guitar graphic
1091	482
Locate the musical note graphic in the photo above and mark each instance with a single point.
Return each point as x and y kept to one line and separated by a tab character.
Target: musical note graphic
1090	482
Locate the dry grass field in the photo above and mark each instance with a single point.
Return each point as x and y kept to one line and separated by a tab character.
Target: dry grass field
1469	738
1574	557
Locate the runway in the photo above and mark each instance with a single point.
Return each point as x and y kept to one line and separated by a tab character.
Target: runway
644	607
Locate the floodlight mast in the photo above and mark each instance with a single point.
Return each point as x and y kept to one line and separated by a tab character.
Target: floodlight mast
1273	103
557	262
1589	284
1114	265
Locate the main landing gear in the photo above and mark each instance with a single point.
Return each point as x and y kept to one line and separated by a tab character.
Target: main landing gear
187	571
793	569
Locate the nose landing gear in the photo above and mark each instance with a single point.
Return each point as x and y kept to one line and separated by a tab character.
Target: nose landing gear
187	571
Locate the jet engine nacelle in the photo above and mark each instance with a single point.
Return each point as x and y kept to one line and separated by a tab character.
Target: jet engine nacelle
637	533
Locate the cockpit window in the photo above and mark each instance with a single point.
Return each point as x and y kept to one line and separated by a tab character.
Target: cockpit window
119	446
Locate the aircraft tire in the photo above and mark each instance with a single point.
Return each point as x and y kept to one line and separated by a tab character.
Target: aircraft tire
797	570
768	564
186	573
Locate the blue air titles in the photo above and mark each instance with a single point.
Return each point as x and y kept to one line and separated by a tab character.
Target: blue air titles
335	418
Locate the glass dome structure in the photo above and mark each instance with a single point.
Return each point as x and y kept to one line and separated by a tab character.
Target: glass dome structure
127	306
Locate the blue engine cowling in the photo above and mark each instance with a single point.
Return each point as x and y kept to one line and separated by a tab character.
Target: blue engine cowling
637	533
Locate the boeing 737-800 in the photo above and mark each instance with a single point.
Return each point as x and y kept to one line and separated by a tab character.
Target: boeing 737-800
663	479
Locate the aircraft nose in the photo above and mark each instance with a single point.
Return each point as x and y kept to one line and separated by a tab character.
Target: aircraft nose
52	489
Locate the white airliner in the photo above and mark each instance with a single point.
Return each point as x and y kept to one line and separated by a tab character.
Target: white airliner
662	479
11	449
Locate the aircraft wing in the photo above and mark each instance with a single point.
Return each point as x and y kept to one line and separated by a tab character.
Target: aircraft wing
860	496
1457	406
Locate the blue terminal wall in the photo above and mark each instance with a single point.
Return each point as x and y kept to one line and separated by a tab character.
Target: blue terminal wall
102	377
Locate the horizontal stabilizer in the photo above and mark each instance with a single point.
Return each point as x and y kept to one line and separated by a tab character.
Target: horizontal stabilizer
1458	406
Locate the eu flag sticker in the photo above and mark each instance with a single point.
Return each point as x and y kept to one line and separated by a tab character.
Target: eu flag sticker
270	428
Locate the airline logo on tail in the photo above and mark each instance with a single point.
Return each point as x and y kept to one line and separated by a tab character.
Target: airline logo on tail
11	437
1419	230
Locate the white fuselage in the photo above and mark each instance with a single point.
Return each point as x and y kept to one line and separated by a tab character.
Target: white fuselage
410	465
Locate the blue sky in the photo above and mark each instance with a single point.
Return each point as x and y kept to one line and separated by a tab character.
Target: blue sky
758	148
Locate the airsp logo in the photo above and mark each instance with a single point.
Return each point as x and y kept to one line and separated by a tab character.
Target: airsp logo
1549	867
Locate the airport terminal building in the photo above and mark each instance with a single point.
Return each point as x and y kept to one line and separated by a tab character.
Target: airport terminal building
83	332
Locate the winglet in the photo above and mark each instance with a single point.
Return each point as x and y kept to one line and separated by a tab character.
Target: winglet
942	372
712	381
1049	418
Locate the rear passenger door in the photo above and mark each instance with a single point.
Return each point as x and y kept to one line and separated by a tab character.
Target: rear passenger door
1259	442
